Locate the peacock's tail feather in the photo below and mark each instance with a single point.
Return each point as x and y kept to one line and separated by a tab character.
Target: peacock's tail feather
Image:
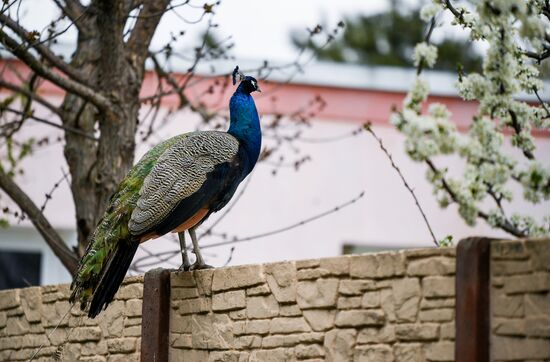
111	247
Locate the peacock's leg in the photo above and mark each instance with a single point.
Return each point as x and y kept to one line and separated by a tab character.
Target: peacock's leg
186	264
199	263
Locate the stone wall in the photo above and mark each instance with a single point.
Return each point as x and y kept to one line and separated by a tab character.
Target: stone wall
520	300
28	317
396	306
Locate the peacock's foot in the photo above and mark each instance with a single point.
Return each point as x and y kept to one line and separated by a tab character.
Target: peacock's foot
199	266
184	267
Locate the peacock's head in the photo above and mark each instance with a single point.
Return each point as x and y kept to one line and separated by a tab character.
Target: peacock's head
248	84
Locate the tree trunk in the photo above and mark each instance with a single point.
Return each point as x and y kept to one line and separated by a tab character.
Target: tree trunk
98	167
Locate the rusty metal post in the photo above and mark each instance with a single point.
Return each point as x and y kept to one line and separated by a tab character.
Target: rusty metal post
155	316
472	313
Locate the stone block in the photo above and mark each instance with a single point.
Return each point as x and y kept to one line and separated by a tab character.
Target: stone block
182	279
53	313
237	314
258	326
212	331
289	310
348	302
537	304
178	340
307	264
112	319
133	331
304	351
336	266
437	315
193	306
311	274
437	303
527	283
121	345
385	334
237	277
356	318
247	342
388	304
539	251
273	355
408	352
288	325
31	302
231	300
84	334
280	340
440	351
417	332
281	278
184	293
262	307
406	298
538	326
447	331
373	353
339	345
379	265
431	266
315	294
429	252
188	355
262	289
371	300
181	323
16	326
509	250
9	298
130	291
224	356
356	287
435	287
320	319
204	279
508	327
3	319
133	307
507	306
510	267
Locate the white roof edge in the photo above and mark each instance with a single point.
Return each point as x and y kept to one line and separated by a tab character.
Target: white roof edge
353	76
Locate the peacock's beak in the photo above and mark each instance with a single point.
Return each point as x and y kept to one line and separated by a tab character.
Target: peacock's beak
258	89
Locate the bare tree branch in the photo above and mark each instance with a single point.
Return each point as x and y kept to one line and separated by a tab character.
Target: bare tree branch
72	8
52	238
68	84
368	128
49	123
506	225
32	95
43	50
143	31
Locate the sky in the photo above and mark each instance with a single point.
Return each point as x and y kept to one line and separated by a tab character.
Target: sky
260	29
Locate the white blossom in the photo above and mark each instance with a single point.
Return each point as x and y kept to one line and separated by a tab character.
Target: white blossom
429	10
424	52
490	171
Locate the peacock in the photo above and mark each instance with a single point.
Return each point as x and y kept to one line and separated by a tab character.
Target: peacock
175	187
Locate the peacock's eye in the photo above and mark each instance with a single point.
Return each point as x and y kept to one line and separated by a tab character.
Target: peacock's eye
254	83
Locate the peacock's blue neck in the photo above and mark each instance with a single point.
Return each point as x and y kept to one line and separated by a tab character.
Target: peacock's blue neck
245	126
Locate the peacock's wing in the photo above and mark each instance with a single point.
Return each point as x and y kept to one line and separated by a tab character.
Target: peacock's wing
112	234
184	180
